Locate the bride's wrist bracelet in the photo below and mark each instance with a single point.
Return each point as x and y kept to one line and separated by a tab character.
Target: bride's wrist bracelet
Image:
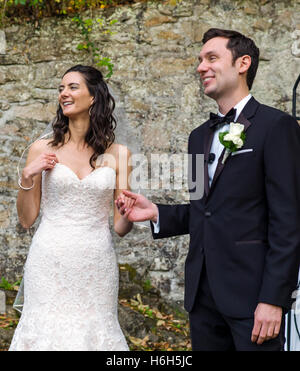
25	188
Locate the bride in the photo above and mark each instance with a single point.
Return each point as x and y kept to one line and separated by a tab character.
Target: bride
71	273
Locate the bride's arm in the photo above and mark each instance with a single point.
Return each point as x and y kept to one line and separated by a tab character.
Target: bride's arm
28	201
121	224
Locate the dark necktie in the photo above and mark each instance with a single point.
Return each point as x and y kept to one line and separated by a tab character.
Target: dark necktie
217	121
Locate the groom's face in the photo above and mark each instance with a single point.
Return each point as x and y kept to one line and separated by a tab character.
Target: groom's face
220	77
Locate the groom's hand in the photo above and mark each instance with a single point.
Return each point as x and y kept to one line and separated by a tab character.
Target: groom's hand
267	322
140	209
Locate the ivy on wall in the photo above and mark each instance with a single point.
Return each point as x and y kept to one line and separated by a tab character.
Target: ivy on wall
86	27
35	9
19	11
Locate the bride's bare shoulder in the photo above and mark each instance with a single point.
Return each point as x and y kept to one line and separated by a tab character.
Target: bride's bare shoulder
118	149
116	154
40	146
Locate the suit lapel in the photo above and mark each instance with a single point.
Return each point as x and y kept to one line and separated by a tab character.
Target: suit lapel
243	120
248	112
218	170
209	136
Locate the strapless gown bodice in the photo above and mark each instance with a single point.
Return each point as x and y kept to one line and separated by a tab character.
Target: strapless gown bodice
67	200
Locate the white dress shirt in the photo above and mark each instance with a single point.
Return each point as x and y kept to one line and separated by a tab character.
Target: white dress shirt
216	147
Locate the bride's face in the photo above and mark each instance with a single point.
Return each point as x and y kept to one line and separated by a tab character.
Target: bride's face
74	96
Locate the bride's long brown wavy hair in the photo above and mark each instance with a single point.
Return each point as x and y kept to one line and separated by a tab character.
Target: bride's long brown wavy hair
100	134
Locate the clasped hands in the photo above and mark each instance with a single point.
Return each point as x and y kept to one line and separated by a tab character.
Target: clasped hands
267	317
135	207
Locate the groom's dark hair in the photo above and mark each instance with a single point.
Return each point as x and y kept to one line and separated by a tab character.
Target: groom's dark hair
239	45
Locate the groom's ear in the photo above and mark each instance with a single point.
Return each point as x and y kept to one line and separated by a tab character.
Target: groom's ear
244	63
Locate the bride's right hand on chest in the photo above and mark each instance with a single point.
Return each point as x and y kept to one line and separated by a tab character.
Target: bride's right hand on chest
44	161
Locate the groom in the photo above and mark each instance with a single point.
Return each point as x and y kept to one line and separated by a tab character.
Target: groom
244	252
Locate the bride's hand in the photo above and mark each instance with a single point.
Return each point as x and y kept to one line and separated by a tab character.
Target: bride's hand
140	208
45	161
124	205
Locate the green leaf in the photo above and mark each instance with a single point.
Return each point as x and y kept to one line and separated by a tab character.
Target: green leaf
88	22
20	2
5	284
17	283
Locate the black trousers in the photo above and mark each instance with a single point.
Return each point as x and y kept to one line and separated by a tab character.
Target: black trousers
212	331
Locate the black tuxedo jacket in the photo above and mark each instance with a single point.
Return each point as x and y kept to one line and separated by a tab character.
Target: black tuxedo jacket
247	224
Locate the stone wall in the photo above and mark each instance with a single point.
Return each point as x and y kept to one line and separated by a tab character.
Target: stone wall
154	49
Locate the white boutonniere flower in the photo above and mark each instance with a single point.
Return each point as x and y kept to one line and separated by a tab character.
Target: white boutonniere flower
233	139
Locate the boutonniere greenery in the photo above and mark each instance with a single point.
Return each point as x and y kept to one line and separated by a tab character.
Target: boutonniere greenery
233	139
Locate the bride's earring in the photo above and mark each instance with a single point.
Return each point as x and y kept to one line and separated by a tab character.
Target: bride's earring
90	110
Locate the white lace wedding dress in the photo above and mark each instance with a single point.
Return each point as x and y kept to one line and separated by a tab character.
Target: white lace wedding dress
71	276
